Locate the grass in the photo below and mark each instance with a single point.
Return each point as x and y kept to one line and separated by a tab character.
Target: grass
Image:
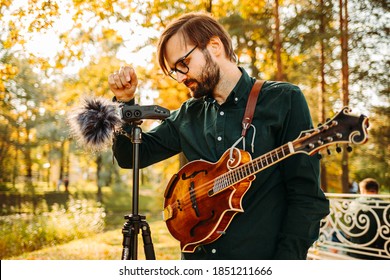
107	246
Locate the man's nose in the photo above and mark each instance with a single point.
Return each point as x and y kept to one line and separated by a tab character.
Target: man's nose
180	77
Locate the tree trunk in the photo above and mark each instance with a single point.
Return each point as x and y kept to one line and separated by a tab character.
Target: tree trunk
321	99
62	163
209	6
29	172
99	161
16	159
278	43
344	84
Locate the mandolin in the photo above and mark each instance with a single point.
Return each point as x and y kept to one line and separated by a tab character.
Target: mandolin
203	197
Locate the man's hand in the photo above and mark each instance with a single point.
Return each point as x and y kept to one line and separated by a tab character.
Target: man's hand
123	83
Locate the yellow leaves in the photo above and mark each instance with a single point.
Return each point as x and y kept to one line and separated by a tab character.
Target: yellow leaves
111	35
43	14
102	9
13	36
249	7
7	71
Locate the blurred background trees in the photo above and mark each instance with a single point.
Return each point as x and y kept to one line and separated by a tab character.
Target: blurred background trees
54	52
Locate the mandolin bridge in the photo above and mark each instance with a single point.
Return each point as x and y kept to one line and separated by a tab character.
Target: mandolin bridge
193	199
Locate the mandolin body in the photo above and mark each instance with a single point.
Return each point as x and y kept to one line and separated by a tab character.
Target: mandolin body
196	215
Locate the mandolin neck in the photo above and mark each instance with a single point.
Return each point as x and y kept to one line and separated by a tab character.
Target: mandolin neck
250	168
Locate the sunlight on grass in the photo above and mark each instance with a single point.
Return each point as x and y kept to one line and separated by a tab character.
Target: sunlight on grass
108	246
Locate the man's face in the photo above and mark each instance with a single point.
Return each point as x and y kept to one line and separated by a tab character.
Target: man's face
203	72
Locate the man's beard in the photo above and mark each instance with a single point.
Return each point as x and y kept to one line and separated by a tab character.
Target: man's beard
208	80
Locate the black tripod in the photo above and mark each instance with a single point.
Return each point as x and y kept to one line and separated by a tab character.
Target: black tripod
135	222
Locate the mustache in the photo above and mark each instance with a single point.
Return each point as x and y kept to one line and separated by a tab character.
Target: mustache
188	82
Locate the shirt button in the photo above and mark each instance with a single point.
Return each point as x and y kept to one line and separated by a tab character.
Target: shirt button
236	99
222	113
219	138
213	251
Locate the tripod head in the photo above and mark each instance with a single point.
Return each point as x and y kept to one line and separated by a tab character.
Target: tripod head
131	113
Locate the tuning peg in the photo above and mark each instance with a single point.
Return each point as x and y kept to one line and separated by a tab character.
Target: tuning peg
328	119
338	149
319	156
349	149
328	151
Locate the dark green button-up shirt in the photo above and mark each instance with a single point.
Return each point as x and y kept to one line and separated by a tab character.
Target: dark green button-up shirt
284	205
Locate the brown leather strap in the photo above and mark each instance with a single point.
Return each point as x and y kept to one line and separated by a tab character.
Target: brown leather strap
251	105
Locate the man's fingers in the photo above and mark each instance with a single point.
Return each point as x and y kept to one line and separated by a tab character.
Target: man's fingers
125	72
111	81
117	80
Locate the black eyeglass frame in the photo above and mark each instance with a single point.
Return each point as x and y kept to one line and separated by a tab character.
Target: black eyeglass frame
172	72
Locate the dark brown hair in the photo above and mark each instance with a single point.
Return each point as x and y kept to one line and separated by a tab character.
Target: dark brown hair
198	29
369	184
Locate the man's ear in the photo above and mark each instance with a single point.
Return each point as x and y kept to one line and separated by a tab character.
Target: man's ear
215	46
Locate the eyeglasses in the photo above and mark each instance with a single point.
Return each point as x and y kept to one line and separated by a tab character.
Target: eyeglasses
181	66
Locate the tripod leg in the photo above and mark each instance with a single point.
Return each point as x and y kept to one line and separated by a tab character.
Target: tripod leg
147	239
130	231
127	237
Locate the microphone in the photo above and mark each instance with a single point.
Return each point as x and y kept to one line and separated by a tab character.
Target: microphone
94	122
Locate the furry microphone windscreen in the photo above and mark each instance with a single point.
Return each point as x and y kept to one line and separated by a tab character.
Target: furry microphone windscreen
94	122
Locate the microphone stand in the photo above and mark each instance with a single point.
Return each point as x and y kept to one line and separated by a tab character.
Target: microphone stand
135	221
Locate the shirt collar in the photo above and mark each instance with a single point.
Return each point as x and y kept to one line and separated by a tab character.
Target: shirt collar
241	90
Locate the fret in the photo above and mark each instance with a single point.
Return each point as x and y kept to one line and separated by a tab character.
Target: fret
253	168
242	172
248	167
227	179
238	176
248	171
257	165
223	183
231	178
276	155
220	184
234	174
271	157
245	171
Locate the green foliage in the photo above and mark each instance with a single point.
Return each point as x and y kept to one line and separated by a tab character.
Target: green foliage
370	161
25	233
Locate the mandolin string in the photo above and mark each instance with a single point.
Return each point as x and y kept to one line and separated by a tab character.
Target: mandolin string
245	168
242	169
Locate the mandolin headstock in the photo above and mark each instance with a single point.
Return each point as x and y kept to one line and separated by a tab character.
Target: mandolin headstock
342	128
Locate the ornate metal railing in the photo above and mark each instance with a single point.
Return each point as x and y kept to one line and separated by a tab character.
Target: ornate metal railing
358	226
